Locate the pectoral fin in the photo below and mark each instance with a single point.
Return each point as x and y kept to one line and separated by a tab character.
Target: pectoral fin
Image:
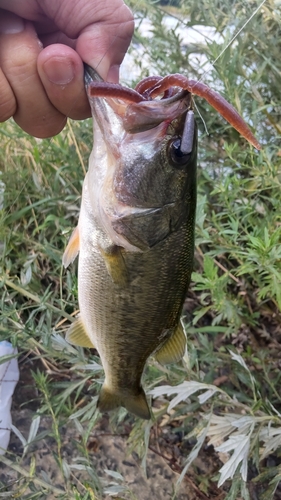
174	348
77	335
72	248
115	264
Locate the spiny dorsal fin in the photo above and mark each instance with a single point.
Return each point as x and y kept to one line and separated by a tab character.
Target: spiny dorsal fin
77	335
72	248
174	348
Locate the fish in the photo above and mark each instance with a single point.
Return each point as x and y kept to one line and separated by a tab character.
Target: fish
135	233
135	238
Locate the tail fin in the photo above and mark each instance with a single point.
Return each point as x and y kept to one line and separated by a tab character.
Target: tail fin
134	403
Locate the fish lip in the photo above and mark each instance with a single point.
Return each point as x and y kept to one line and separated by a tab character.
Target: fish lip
104	115
91	75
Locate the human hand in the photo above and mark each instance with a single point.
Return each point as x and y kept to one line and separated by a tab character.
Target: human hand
42	46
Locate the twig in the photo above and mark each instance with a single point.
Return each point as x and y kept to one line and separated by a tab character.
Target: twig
62	321
77	148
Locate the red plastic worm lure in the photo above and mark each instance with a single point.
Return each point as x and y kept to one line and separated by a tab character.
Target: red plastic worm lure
154	86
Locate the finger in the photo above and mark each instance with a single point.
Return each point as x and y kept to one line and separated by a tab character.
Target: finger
19	49
103	45
8	103
61	71
103	29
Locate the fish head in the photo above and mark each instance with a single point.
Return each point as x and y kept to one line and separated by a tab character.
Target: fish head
139	163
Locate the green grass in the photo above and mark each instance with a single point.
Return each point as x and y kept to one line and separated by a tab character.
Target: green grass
232	312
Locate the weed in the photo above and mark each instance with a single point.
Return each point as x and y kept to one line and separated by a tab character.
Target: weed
226	392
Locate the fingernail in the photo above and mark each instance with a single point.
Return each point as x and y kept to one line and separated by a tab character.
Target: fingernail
10	23
59	71
113	74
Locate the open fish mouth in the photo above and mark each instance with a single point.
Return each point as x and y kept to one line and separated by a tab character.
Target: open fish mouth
142	116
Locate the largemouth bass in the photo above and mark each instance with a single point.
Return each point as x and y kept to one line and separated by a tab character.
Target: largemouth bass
135	238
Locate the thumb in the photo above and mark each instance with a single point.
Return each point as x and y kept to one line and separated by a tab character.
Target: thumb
104	44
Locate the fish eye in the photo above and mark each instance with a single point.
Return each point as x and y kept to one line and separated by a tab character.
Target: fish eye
178	158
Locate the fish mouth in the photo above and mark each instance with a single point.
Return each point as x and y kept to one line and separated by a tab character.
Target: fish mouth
136	117
139	117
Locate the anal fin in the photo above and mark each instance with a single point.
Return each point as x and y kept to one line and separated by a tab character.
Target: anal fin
77	335
72	248
174	348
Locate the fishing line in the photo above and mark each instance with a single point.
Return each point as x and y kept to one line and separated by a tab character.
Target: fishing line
201	116
234	38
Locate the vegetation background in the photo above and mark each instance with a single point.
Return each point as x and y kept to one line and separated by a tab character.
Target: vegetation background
227	390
